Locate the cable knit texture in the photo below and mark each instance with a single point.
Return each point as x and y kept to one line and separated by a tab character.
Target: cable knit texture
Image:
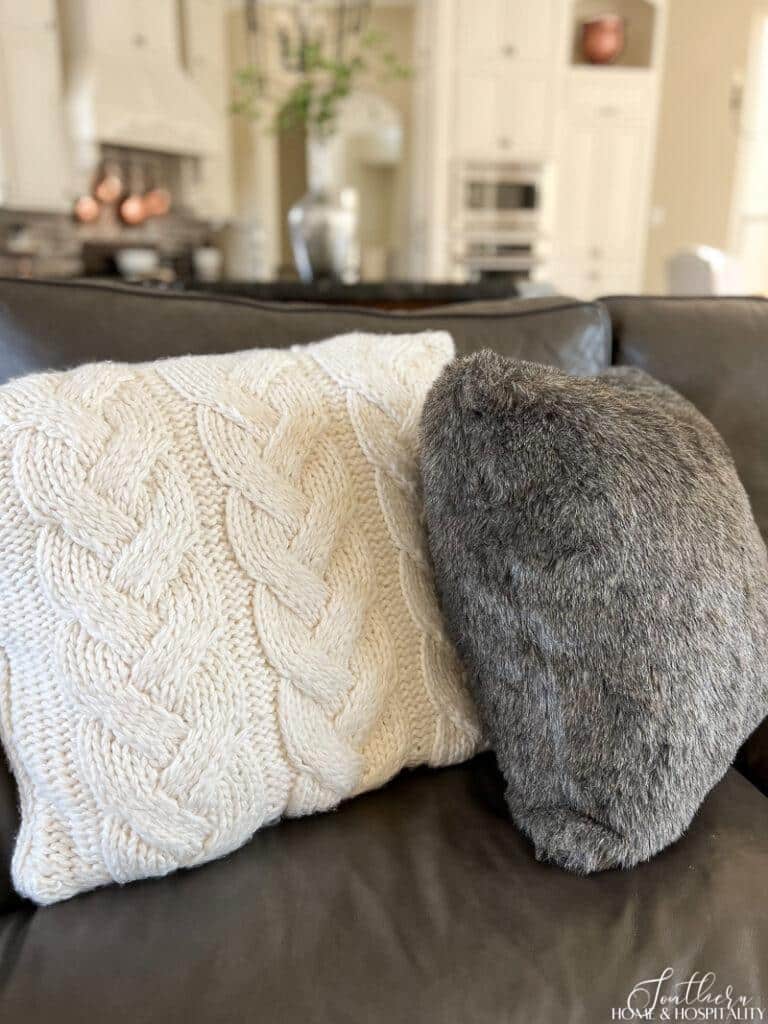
216	606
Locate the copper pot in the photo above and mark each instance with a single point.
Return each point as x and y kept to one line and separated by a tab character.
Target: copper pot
109	185
157	202
132	209
602	38
87	210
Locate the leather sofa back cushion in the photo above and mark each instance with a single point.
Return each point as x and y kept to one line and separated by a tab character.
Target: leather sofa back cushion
715	352
216	603
49	325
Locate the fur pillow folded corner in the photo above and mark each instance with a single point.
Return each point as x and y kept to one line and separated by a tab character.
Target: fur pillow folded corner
216	603
603	577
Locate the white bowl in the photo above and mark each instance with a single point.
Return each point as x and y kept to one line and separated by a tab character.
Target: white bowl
136	262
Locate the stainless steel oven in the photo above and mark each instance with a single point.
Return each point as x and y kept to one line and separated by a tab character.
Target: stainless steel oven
496	219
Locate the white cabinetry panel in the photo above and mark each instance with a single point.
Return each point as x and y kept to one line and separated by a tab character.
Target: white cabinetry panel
530	29
34	164
602	165
127	25
506	53
517	29
205	59
504	116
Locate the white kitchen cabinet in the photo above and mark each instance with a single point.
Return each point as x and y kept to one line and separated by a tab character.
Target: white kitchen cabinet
205	48
505	68
601	205
504	115
576	165
111	27
34	159
120	27
30	14
589	279
619	181
157	26
422	170
601	208
205	61
522	30
514	93
125	84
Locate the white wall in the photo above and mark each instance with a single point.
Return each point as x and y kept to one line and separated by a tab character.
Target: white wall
706	56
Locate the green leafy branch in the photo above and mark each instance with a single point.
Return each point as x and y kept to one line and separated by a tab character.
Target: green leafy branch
322	83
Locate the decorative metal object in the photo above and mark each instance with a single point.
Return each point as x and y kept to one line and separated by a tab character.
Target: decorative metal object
325	53
323	224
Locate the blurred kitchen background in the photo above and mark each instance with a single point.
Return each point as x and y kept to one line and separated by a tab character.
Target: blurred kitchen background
510	146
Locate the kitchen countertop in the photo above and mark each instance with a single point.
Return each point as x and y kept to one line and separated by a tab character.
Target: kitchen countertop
382	294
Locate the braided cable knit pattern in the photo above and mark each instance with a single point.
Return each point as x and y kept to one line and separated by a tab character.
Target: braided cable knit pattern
215	607
291	522
137	644
385	388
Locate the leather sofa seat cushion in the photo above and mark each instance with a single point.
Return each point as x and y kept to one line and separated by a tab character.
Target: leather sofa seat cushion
55	325
419	902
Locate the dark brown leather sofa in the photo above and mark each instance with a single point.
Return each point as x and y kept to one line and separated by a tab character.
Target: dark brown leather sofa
419	902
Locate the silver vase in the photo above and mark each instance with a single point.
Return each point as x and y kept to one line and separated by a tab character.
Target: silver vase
323	224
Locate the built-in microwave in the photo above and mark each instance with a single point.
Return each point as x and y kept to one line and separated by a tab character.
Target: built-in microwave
496	221
504	194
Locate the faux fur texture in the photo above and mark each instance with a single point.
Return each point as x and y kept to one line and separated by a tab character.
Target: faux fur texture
603	578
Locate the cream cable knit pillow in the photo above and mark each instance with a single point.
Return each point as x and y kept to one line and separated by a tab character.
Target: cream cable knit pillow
216	606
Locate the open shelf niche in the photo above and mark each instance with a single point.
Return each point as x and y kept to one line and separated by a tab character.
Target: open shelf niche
641	21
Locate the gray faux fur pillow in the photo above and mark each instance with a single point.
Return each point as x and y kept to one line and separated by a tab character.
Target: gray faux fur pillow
604	580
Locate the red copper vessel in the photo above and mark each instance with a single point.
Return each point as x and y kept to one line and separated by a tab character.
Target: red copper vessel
602	38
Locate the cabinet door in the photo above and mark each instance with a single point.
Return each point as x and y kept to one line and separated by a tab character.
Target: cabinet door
206	64
568	277
520	29
528	29
477	133
112	27
205	50
577	169
34	155
611	278
600	190
481	37
125	27
524	115
619	188
502	115
157	26
27	13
